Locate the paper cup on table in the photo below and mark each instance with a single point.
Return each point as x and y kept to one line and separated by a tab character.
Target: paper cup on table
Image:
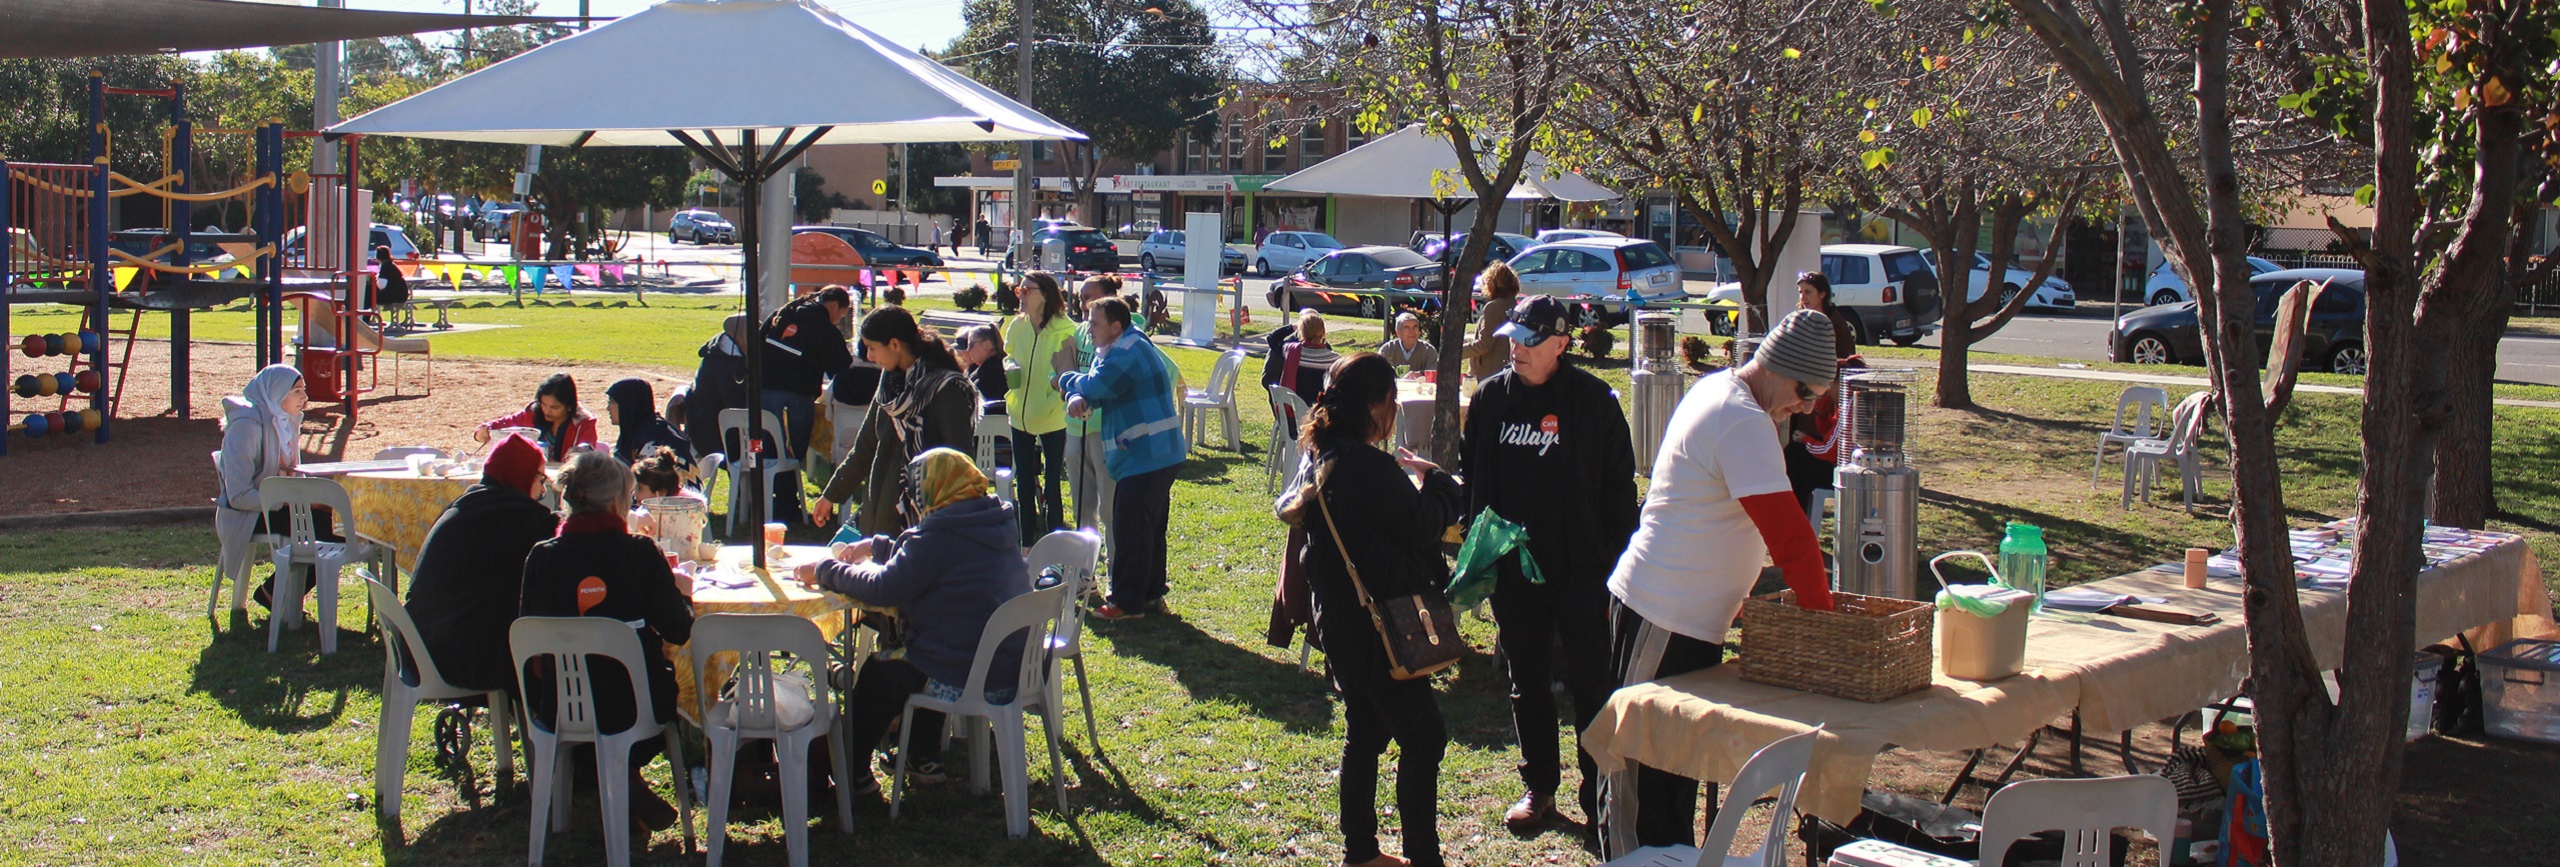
773	532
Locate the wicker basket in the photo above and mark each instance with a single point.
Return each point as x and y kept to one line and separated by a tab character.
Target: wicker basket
1869	649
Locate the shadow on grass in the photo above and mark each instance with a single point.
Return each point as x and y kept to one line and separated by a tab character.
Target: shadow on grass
295	689
1209	468
1208	668
2087	540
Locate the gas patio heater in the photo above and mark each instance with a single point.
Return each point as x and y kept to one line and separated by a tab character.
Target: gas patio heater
751	122
1876	538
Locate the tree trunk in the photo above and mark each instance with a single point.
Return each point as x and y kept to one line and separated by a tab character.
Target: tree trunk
2463	494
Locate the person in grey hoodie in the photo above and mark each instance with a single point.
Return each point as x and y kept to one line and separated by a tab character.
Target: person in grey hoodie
261	437
946	575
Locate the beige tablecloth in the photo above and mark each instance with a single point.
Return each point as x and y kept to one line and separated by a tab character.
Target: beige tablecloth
396	508
1414	401
776	595
2118	672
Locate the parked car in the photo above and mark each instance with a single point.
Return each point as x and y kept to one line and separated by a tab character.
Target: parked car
2164	286
1550	236
1379	267
140	242
381	235
2334	339
700	227
1613	267
1088	250
494	216
875	248
1282	252
1505	246
2052	294
1137	230
1890	291
1170	249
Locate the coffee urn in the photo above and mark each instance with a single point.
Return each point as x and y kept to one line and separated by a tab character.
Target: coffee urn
1876	538
1659	379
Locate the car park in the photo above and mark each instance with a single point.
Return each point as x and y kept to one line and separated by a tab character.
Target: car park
2165	286
1088	249
2052	294
494	217
1169	249
381	235
1375	268
701	227
875	248
1283	252
2332	340
1600	267
1444	251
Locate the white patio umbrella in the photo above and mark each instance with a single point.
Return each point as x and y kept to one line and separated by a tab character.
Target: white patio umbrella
745	84
1402	165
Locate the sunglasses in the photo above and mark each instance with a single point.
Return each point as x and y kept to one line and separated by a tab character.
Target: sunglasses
1805	393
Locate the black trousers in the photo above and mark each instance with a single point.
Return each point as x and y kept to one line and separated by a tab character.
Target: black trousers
1039	470
1666	803
1535	620
879	698
1806	473
1376	709
1141	507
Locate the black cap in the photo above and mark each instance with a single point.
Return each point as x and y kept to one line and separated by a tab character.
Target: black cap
1537	318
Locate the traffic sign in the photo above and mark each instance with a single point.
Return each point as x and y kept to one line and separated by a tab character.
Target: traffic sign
879	187
1006	165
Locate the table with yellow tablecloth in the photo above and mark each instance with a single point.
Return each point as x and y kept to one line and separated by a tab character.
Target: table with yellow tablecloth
396	508
774	593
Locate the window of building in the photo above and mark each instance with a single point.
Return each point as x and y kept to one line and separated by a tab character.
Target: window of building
1352	137
1194	155
1311	144
1235	146
1275	154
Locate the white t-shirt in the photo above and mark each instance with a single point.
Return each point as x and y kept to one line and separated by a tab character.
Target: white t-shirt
1695	553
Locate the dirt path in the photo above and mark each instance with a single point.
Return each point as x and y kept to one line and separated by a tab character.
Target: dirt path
155	459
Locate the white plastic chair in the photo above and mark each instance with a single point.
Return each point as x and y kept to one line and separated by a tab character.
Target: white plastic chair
409	677
1288	410
778	707
2149	406
1034	616
1781	766
571	643
2086	811
992	428
733	423
1077	554
2142	459
1818	507
302	547
400	452
232	562
1220	398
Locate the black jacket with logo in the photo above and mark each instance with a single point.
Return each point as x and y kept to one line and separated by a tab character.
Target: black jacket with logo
802	347
1555	459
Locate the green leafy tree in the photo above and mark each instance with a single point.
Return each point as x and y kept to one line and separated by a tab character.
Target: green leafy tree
1131	76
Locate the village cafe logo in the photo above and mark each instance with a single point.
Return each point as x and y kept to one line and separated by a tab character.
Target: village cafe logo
1544	436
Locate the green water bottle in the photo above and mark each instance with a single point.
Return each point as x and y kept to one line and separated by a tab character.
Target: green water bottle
2022	560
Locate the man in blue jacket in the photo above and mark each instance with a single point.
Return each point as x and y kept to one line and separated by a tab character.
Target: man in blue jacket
1131	389
946	575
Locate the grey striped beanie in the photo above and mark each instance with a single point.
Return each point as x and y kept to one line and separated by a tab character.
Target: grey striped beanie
1801	348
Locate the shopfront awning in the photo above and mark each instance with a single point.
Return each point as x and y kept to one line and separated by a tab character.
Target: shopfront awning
98	28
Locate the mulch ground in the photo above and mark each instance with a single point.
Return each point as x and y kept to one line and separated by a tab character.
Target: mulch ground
154	458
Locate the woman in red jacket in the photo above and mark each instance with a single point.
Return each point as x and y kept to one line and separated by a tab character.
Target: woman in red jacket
555	417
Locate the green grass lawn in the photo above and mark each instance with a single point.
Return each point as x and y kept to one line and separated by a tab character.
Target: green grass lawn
142	733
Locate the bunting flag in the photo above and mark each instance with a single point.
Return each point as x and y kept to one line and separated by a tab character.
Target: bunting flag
455	272
510	272
564	272
615	269
590	272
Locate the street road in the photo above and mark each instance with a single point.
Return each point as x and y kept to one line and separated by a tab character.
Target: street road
2521	358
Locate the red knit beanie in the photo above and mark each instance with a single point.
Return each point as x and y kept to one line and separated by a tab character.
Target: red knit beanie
514	463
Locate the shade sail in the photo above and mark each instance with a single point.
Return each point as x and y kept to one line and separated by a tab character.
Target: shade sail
1402	164
97	28
720	66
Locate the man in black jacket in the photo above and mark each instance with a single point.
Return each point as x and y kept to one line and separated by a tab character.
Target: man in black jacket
719	383
803	345
471	569
1546	447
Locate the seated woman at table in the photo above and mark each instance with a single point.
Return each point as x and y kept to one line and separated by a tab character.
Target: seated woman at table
470	572
593	568
555	415
261	437
946	576
660	474
924	403
1306	360
638	427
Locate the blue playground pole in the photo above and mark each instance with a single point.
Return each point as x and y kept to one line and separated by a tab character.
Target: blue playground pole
101	278
7	247
182	217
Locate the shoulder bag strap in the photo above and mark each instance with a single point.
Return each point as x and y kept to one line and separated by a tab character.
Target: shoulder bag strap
1324	505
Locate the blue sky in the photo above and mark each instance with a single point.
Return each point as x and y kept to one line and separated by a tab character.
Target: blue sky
912	23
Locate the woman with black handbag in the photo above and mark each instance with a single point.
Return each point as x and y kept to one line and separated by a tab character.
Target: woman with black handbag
1372	559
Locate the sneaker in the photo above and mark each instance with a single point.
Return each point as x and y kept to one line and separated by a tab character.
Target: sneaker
925	771
864	783
1533	810
1109	611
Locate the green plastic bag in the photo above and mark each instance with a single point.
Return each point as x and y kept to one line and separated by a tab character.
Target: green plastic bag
1488	540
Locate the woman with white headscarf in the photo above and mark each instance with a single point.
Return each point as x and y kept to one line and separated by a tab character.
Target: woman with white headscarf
261	437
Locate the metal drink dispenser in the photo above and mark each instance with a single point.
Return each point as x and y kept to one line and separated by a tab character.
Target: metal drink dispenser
1876	537
1659	379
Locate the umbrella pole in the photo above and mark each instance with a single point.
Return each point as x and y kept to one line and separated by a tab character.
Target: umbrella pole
760	503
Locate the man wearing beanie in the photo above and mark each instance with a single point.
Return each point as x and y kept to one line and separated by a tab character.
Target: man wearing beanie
1546	447
471	568
1720	501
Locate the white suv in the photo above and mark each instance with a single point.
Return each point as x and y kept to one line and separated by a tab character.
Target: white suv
1600	267
1889	291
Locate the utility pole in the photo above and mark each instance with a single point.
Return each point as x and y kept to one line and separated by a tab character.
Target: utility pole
1022	191
466	34
324	107
902	191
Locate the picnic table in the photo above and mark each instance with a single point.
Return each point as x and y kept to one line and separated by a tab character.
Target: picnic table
2112	673
772	592
1414	400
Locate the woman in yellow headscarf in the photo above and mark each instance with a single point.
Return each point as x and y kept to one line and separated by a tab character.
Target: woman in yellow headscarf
946	575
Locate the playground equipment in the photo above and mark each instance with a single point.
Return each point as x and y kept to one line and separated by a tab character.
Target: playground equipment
56	220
